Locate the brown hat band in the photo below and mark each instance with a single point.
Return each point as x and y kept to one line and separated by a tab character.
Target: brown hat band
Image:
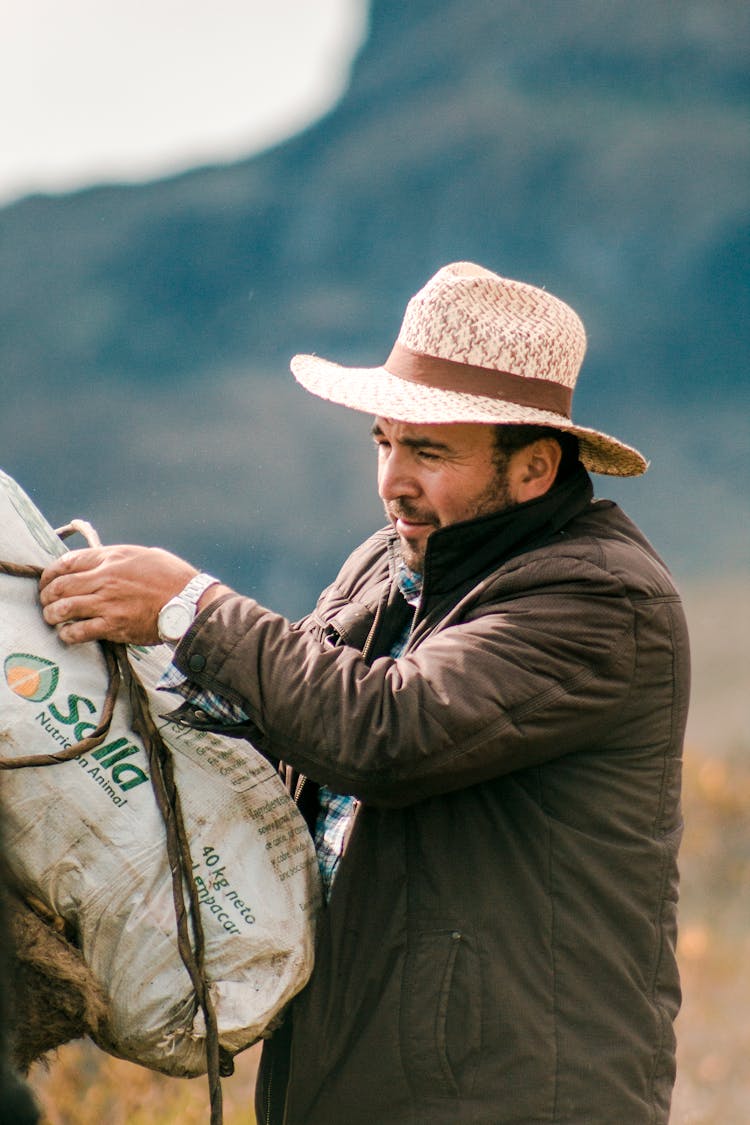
447	375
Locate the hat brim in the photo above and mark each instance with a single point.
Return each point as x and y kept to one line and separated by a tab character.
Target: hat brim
376	391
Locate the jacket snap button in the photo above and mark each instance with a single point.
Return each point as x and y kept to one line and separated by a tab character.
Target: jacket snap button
197	662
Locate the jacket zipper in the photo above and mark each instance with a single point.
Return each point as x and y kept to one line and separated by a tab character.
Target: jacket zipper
268	1120
367	646
268	1098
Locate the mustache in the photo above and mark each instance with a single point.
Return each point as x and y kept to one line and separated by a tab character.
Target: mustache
403	509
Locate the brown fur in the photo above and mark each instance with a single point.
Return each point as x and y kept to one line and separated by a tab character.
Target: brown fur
55	998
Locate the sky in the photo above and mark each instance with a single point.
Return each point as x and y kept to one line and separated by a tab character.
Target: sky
129	90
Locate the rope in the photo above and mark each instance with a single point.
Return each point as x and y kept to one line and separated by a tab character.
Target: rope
180	862
192	952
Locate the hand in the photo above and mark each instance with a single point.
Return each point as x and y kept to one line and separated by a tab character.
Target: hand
112	593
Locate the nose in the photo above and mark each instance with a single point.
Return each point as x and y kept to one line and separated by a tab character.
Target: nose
395	475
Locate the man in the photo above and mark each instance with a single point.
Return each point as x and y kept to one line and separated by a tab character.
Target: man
482	722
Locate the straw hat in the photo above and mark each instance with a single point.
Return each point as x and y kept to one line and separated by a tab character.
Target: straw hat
475	347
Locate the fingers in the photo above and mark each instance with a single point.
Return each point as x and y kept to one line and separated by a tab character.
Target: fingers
57	610
59	594
72	562
65	589
87	618
78	632
112	592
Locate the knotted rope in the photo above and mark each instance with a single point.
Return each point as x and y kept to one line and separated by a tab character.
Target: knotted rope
191	947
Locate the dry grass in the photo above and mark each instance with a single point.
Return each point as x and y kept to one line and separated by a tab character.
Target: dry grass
713	1029
83	1086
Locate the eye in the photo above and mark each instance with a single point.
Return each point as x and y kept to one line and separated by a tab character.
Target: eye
428	455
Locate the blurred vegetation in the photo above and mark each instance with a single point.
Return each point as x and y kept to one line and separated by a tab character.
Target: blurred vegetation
713	1030
83	1086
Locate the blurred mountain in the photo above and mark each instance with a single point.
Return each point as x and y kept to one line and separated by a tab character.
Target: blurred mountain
601	151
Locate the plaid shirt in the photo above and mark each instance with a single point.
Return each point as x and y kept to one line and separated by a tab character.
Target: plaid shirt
211	702
336	811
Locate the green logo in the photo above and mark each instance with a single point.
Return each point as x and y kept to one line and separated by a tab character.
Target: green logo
31	677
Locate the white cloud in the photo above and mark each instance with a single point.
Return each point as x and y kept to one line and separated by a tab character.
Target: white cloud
129	89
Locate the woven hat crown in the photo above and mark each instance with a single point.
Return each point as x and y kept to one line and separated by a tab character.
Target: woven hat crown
470	315
477	347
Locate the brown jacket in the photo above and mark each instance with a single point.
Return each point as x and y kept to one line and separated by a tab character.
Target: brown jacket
499	945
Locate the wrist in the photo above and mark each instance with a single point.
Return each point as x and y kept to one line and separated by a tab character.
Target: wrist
177	615
211	593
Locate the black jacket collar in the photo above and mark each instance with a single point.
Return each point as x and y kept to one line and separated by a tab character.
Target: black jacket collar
465	551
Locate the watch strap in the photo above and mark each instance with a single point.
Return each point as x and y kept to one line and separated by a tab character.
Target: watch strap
187	599
191	593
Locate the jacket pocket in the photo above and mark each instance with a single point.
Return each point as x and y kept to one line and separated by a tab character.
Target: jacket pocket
441	1015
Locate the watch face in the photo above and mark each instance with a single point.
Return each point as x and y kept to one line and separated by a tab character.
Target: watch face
174	619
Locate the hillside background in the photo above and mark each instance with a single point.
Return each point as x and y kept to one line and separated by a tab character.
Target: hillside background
600	149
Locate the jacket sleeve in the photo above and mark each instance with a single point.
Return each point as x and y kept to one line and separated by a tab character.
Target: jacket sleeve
540	669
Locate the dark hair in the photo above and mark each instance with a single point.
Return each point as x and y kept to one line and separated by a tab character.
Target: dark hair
510	437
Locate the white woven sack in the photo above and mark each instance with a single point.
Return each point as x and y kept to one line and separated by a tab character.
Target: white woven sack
86	837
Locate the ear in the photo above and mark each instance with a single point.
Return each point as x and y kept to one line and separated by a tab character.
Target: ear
533	469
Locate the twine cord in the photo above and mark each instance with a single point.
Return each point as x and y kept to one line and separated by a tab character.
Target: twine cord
191	946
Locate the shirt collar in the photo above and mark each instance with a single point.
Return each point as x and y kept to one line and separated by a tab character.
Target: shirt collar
409	582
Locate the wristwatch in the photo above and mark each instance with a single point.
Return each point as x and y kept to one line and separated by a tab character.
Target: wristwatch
176	617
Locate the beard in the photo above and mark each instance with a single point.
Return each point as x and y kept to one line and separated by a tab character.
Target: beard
496	497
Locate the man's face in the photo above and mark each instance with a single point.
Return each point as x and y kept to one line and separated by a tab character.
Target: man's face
430	476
